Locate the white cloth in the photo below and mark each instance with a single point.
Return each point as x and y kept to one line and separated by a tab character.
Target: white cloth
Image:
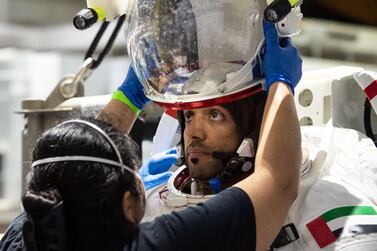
343	173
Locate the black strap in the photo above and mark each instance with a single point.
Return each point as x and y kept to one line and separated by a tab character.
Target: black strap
287	234
367	120
181	145
354	230
109	44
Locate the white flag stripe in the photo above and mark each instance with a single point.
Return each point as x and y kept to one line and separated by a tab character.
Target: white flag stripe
352	220
364	79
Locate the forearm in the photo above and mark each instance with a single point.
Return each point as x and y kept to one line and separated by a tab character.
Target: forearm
274	185
119	115
279	150
127	101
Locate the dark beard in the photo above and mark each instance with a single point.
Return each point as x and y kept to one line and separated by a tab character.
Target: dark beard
204	170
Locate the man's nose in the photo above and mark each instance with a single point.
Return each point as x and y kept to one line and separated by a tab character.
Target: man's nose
196	129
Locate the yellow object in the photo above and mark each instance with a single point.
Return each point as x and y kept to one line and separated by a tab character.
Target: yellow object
100	12
293	2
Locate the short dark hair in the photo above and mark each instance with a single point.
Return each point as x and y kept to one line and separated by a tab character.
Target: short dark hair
92	192
247	114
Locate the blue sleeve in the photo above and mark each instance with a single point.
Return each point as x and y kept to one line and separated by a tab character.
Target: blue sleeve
225	222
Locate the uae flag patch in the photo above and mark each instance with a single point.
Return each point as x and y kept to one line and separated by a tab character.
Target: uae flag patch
343	222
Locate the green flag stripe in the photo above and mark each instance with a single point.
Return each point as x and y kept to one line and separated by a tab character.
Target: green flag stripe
347	211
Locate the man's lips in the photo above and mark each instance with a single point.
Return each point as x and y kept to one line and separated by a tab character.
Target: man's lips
197	152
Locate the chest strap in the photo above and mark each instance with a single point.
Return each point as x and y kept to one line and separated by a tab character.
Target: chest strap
287	234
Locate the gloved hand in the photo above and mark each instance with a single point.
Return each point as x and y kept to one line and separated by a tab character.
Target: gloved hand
282	61
131	92
155	171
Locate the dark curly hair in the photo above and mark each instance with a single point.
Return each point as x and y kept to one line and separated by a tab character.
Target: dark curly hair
247	114
92	192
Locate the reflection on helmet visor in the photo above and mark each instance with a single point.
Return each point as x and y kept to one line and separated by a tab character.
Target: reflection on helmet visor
184	47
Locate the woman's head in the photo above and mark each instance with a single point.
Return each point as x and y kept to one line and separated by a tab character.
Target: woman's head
97	196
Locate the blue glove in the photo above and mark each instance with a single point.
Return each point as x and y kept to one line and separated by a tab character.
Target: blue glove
282	61
155	171
131	92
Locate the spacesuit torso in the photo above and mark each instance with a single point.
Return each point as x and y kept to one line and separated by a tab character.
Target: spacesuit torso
336	207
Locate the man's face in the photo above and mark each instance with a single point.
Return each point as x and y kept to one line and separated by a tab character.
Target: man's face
208	130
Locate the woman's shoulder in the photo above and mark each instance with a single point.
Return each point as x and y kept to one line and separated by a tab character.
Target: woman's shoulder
12	239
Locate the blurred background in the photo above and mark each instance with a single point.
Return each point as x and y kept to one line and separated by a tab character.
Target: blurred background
39	45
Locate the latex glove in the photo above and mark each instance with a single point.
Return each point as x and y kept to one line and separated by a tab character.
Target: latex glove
131	92
155	171
282	61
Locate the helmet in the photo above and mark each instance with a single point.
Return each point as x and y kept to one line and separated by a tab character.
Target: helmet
190	53
175	196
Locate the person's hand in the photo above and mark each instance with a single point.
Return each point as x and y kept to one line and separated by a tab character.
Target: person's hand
155	171
282	62
131	92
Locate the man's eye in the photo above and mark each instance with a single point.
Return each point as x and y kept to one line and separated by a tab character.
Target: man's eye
188	116
215	115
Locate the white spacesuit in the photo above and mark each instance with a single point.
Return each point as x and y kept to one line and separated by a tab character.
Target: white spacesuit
336	208
337	204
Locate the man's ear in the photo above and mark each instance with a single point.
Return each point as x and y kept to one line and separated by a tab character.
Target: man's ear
128	205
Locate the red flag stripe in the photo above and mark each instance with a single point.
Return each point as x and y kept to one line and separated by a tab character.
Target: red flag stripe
371	90
321	232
